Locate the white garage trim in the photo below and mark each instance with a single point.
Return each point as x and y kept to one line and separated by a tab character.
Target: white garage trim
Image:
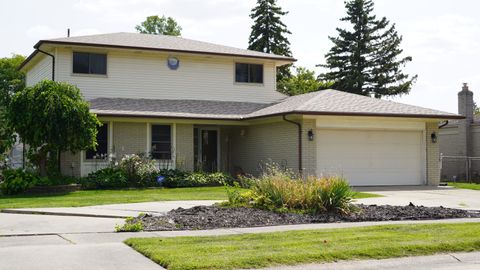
369	157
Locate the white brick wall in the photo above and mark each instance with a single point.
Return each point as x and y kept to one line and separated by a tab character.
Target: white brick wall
260	143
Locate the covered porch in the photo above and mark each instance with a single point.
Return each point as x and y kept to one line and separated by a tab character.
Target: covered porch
189	144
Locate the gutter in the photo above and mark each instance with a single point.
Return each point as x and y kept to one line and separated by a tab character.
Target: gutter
299	126
53	62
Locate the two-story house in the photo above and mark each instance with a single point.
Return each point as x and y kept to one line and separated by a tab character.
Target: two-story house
197	105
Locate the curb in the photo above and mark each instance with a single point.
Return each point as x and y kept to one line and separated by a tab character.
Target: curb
31	212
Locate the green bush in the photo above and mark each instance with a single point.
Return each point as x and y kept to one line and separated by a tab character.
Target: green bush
14	181
130	226
282	191
56	180
140	171
174	178
110	177
177	178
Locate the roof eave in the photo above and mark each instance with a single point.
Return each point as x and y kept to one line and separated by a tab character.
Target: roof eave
39	43
28	59
246	117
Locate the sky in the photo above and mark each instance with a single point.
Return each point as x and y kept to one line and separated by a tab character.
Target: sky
442	36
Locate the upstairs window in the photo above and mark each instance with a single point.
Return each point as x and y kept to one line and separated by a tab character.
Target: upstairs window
248	73
161	142
89	63
102	144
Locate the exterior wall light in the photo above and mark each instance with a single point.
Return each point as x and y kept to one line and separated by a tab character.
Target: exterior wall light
173	63
310	134
433	136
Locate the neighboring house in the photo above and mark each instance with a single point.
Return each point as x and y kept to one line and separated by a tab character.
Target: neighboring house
460	142
196	105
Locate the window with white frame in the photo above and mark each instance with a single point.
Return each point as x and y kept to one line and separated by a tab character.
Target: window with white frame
161	142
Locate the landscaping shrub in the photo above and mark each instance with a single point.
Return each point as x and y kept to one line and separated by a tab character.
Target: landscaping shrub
14	181
177	178
140	171
278	190
56	180
130	226
110	177
173	178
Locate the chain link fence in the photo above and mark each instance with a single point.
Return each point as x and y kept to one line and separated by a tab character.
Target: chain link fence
460	169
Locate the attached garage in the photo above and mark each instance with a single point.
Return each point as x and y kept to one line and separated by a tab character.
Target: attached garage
369	157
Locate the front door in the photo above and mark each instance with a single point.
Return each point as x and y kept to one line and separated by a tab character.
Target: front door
207	147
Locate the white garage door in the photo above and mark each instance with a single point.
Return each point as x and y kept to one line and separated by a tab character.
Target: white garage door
371	158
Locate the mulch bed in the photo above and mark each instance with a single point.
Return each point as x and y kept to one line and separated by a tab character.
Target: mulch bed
214	217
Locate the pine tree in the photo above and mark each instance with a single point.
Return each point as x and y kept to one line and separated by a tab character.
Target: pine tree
269	33
366	60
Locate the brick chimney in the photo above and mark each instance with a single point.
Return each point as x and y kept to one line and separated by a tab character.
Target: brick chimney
465	108
465	103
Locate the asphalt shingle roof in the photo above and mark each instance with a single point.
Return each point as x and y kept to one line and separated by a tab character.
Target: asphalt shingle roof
325	102
174	108
160	42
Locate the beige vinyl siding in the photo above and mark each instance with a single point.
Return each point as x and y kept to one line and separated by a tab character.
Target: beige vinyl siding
146	75
184	147
39	71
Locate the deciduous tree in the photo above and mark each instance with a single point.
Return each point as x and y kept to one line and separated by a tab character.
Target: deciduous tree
11	81
159	26
52	117
302	82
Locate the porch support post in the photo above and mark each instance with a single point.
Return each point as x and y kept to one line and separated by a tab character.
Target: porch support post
110	137
149	139
174	146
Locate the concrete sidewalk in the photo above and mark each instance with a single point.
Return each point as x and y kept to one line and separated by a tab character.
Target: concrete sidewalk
73	243
453	261
112	210
111	256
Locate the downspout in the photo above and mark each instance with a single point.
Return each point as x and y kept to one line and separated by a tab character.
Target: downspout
442	125
300	166
53	62
53	79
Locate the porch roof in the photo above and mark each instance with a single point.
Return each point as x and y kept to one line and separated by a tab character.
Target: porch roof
325	102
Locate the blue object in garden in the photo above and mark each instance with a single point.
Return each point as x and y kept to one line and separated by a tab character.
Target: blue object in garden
160	179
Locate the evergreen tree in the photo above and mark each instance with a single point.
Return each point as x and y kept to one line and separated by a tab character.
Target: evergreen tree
366	60
269	33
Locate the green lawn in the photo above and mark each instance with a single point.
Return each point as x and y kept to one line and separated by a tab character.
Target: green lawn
465	185
363	195
313	246
96	197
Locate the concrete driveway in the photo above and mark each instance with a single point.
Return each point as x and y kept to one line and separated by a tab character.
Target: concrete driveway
427	196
